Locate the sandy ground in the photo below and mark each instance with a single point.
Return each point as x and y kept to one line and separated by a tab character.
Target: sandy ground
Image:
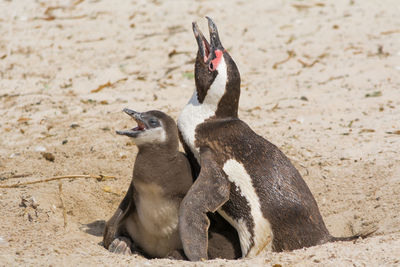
321	80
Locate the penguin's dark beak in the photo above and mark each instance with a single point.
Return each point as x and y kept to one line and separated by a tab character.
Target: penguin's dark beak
214	37
137	116
202	43
134	114
207	49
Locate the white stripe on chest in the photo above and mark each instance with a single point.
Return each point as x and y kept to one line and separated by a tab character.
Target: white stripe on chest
195	113
238	175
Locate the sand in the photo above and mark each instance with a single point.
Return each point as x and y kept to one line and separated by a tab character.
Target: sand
320	79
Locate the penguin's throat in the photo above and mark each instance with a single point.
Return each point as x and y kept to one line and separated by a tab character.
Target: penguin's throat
217	89
206	50
140	128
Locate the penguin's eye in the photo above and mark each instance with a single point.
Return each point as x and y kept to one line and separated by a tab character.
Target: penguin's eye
154	122
214	63
211	66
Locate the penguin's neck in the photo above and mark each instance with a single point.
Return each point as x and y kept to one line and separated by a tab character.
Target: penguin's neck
151	160
196	113
222	98
216	91
164	151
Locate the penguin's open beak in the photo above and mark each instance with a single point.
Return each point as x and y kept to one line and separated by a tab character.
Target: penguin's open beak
137	116
205	48
214	36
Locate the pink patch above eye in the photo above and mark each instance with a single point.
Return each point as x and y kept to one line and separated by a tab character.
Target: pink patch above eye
215	61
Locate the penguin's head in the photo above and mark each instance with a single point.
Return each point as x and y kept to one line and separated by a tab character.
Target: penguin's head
153	128
215	72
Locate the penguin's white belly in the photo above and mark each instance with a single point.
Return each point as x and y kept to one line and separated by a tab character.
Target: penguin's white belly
263	235
154	225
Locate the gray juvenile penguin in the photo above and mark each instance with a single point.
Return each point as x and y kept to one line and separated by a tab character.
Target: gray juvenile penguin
243	177
146	221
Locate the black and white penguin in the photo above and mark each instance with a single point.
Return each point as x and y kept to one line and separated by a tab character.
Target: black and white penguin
146	221
217	90
243	177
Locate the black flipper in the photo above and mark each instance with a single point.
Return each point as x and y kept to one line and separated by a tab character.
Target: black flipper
112	229
209	192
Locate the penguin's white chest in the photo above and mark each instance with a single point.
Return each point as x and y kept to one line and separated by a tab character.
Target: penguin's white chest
196	113
191	116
